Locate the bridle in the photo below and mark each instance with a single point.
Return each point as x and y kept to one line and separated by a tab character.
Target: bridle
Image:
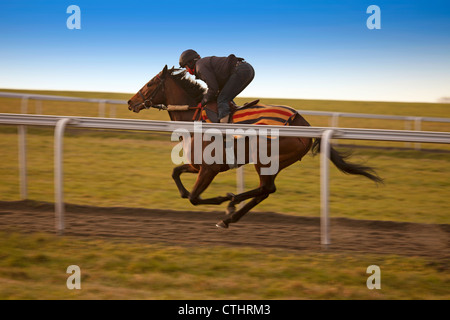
148	103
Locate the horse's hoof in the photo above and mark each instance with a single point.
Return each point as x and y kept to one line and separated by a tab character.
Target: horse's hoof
222	225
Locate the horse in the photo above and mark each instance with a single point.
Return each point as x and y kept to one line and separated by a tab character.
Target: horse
172	90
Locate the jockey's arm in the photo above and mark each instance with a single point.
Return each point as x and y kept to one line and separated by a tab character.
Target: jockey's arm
208	76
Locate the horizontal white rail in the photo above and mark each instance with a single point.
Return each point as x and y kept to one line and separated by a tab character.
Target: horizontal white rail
32	96
371	116
333	114
166	126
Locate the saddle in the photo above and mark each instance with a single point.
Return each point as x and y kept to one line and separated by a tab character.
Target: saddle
210	111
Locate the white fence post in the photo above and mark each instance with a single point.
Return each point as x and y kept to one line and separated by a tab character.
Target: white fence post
59	183
38	106
24	105
335	122
408	127
112	110
101	108
240	183
418	127
324	187
22	131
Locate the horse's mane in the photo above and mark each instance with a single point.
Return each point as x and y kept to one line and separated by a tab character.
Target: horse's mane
193	88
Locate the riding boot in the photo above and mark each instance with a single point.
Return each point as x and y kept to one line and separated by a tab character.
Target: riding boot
225	119
223	111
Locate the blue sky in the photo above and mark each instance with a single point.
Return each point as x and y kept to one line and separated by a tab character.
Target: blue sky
318	49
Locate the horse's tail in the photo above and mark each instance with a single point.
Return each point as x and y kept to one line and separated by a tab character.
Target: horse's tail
339	160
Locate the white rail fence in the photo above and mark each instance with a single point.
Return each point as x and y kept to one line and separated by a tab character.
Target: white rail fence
25	98
411	122
60	123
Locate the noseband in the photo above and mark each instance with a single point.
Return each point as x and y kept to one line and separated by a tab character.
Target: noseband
148	103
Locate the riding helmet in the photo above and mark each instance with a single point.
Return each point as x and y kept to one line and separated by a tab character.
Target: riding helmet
188	56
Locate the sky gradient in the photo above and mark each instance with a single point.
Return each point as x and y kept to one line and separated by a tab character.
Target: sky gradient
300	49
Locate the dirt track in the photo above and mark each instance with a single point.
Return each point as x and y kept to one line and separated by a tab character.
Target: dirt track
257	229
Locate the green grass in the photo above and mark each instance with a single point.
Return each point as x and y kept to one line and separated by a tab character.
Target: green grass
34	267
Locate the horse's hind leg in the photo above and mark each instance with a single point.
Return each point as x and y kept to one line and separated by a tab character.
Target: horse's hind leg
235	217
238	198
267	186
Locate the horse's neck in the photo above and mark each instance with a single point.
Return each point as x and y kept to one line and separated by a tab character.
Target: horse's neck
183	115
180	97
187	115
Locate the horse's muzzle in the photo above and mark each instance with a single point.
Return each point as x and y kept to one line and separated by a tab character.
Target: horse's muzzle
135	108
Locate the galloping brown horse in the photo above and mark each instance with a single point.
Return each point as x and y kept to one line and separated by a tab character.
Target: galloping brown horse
171	87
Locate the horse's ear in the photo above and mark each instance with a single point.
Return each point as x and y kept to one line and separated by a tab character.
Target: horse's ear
164	70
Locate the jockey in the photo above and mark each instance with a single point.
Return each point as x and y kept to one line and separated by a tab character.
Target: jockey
225	77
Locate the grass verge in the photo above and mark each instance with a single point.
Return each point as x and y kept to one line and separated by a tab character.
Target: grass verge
34	267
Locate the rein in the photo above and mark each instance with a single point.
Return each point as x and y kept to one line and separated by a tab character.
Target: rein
198	111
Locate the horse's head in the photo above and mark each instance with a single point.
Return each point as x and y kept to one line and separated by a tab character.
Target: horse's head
151	94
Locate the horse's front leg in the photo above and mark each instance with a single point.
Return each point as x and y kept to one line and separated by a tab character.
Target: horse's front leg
177	171
205	176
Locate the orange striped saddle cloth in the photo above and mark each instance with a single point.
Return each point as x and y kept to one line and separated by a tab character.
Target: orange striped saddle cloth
261	114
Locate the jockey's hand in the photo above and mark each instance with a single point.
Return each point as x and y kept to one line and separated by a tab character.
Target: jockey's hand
204	101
